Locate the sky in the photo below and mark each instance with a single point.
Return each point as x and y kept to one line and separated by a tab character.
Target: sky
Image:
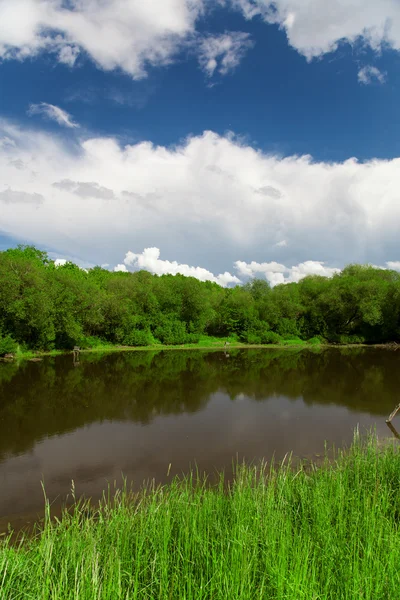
223	139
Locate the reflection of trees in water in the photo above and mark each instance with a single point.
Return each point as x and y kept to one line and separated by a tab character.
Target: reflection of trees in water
53	397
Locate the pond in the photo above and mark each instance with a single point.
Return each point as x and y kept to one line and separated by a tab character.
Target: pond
149	415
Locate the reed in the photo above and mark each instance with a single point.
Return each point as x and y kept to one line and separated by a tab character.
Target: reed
317	532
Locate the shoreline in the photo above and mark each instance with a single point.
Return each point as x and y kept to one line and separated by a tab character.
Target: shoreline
302	528
37	354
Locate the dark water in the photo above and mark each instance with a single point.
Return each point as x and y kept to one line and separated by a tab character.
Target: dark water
137	413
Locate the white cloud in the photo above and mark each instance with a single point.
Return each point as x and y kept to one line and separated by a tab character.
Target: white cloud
133	35
120	269
198	201
315	27
369	74
281	244
150	260
55	113
129	34
223	52
60	262
254	268
394	265
68	55
311	267
276	273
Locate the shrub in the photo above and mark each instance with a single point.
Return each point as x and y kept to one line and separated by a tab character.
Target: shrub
172	333
289	336
270	337
7	345
287	326
91	342
139	337
193	338
258	332
351	339
250	337
314	341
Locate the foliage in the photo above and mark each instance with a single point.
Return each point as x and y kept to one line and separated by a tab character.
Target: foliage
318	532
91	342
139	337
7	345
314	341
46	307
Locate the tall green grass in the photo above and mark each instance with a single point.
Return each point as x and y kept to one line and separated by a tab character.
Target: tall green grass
327	532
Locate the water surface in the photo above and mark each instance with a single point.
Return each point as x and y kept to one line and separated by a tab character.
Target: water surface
142	414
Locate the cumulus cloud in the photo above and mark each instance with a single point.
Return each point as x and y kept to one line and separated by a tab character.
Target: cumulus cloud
60	262
52	112
197	201
223	52
133	35
68	55
281	244
276	273
120	268
65	258
128	34
369	74
316	27
150	260
394	265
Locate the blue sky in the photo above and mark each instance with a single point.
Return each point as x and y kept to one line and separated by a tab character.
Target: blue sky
103	152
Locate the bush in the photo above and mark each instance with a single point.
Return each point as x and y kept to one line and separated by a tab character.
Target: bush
250	337
258	332
91	342
289	336
287	327
7	345
314	341
139	337
193	338
270	337
172	333
260	336
351	339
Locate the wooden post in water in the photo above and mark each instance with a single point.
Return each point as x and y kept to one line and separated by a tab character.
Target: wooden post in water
393	414
76	351
389	422
393	430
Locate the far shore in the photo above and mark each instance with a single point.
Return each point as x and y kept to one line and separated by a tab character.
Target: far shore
210	347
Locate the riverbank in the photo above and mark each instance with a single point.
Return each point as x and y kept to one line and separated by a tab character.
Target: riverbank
318	532
209	345
204	344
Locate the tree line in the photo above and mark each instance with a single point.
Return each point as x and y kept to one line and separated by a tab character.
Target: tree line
44	306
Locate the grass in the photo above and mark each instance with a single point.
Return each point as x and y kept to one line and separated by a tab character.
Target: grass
29	354
206	342
329	532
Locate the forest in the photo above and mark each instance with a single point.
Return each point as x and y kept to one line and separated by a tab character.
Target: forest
45	307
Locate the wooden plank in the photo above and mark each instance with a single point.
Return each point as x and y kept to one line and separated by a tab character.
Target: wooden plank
393	414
